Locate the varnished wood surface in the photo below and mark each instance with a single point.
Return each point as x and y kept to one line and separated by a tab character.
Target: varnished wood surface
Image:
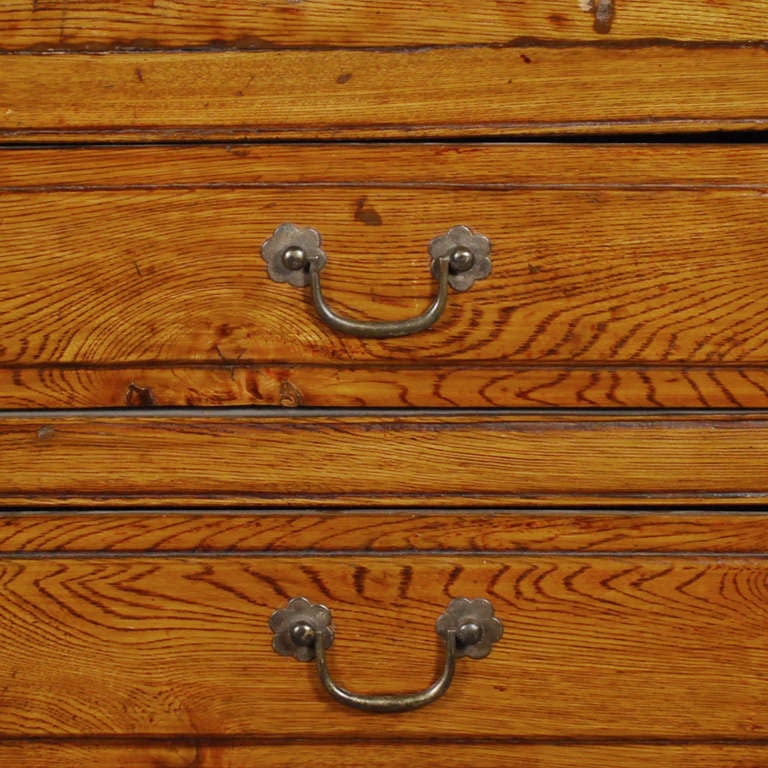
79	25
193	753
345	93
623	276
465	165
633	648
393	531
232	383
385	458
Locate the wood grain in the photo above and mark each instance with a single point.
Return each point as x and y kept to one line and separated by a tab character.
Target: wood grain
124	289
483	386
393	531
603	648
193	752
386	458
465	165
348	93
83	25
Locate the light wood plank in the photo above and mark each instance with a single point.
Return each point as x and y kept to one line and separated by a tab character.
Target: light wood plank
641	648
379	459
485	90
398	531
502	165
84	25
129	754
583	386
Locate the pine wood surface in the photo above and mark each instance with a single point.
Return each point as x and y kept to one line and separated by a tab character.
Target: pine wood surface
387	458
485	90
82	25
386	531
195	753
623	276
463	165
595	647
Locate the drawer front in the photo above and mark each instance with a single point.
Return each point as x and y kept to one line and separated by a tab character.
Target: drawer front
622	276
328	68
142	639
636	646
375	459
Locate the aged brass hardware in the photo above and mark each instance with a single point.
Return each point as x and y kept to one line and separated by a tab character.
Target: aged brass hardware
303	630
458	258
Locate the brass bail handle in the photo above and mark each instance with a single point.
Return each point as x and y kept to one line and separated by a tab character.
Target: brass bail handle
303	630
458	258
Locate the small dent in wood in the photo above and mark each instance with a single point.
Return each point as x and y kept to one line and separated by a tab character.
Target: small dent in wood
139	397
603	11
290	395
367	214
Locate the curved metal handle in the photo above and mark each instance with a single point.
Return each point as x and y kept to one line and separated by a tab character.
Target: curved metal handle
467	628
458	258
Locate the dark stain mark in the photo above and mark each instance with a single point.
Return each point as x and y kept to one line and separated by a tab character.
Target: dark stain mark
359	579
238	93
139	397
224	330
290	395
367	215
406	578
533	269
139	74
137	268
557	18
343	78
45	433
526	59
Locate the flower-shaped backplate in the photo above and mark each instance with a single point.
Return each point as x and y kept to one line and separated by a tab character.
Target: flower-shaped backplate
461	238
462	611
300	611
286	237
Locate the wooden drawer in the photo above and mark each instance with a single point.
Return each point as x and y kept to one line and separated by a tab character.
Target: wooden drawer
146	629
331	69
623	275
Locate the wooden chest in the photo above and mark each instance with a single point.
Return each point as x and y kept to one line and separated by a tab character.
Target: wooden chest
562	467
